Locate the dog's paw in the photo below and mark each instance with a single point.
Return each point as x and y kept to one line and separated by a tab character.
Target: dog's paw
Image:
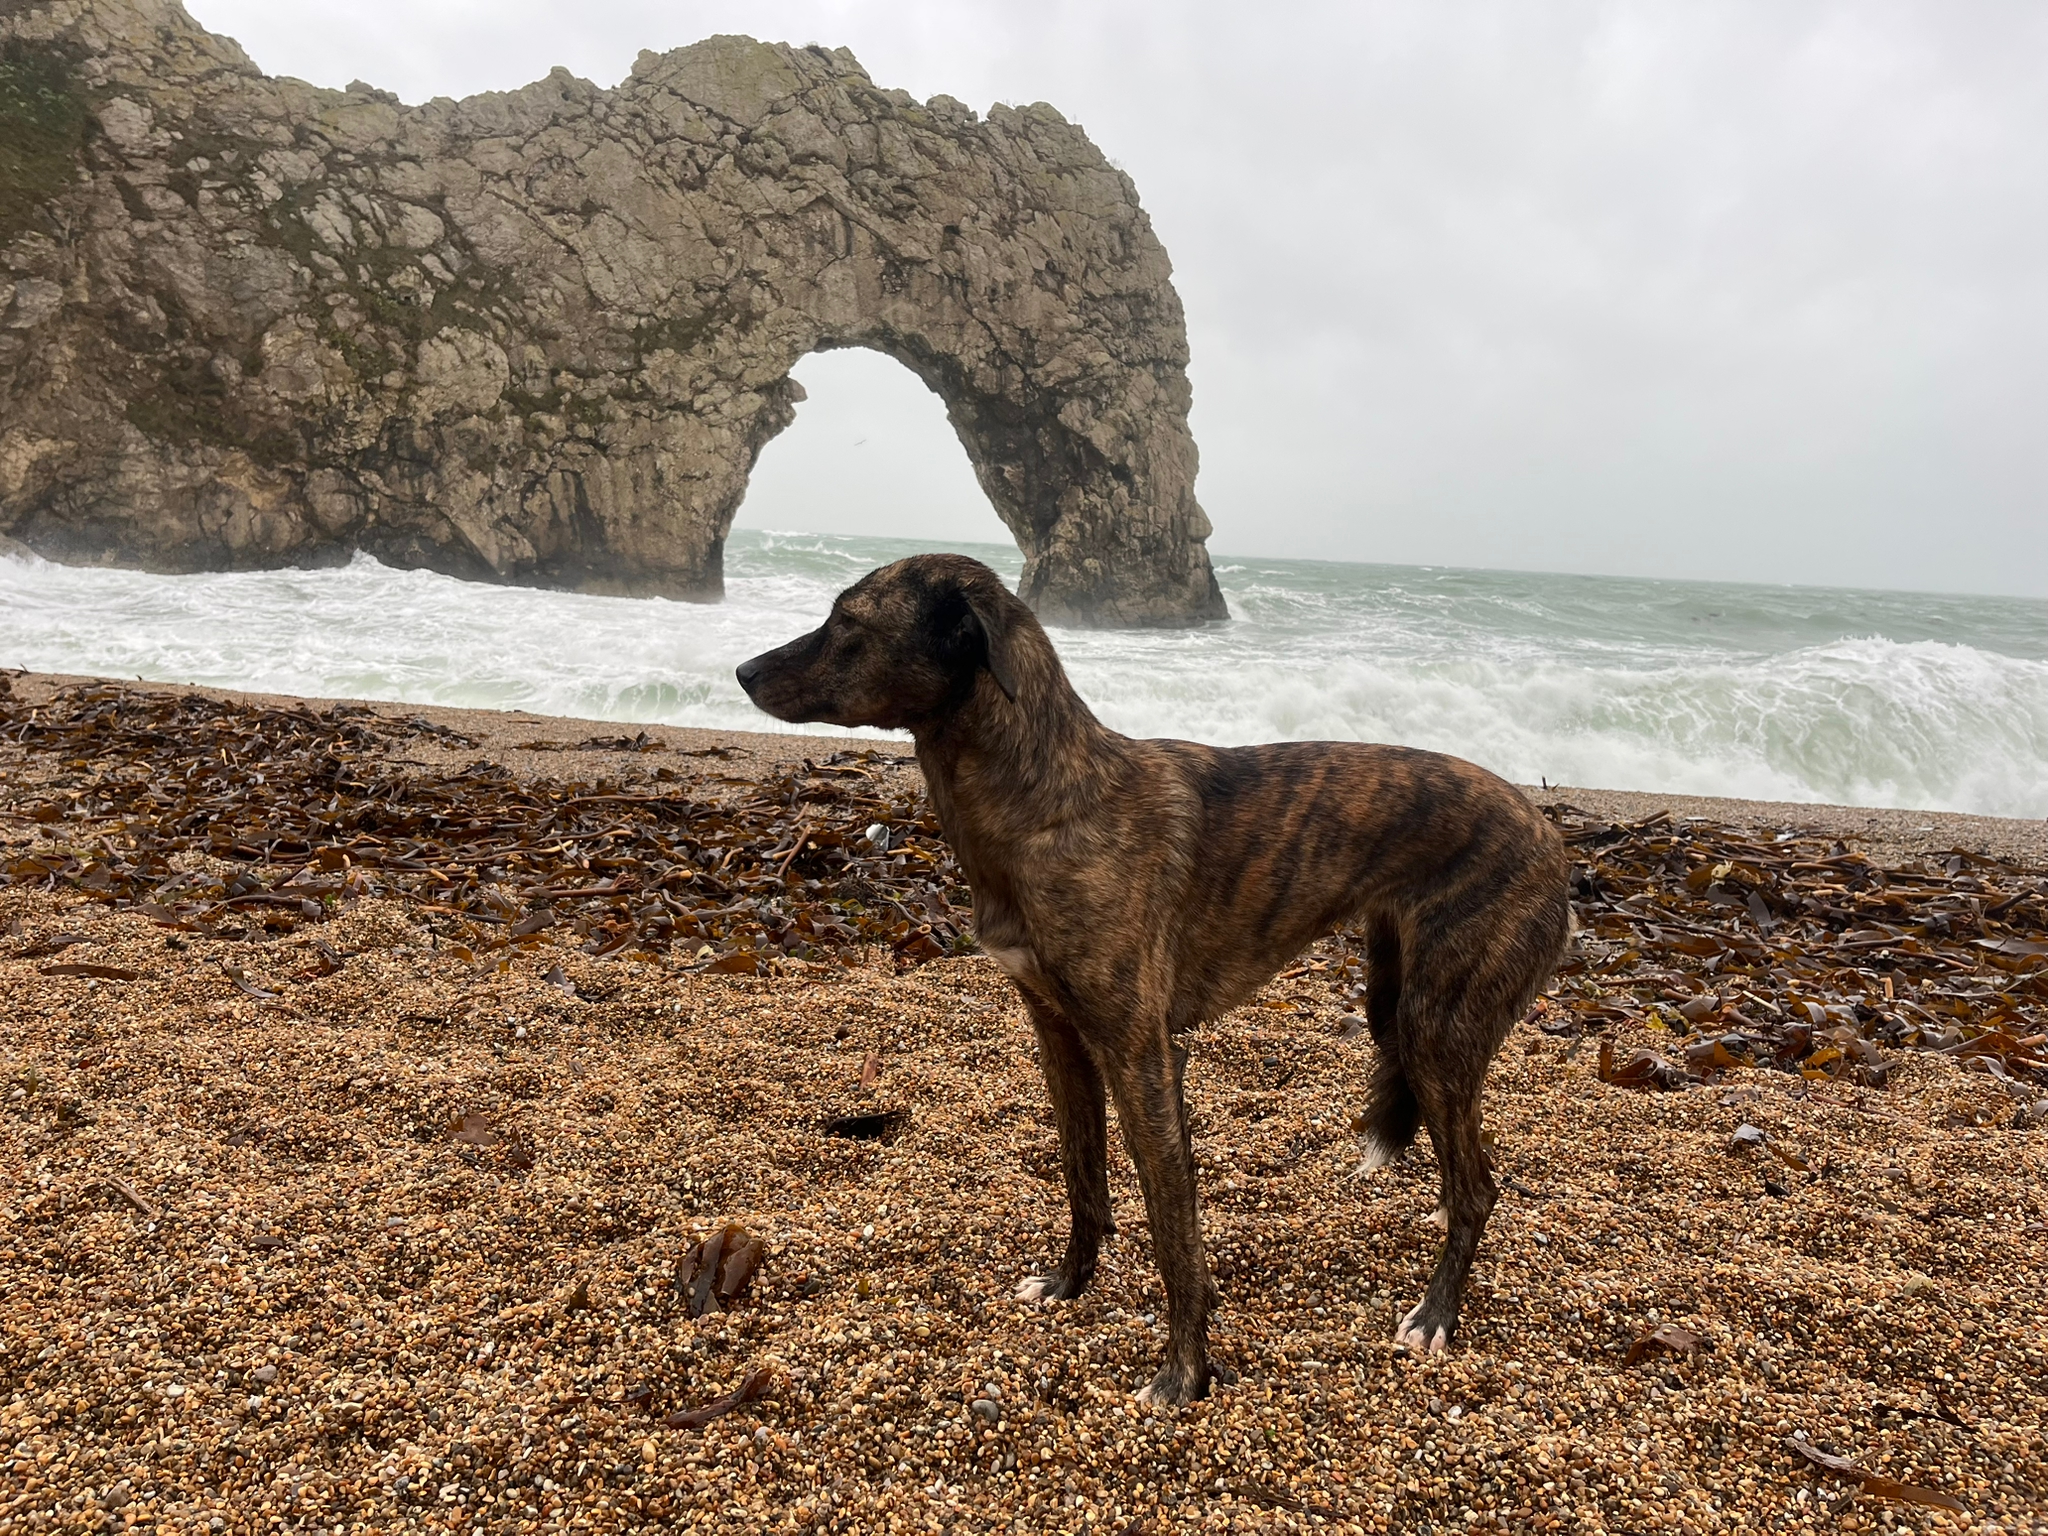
1063	1284
1419	1338
1439	1218
1376	1158
1175	1387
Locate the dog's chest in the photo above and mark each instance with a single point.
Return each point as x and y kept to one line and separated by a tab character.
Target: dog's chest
1004	935
1019	960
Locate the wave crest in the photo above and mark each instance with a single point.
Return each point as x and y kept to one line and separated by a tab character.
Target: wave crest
1769	693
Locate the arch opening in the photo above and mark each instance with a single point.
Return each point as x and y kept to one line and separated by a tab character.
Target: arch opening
871	454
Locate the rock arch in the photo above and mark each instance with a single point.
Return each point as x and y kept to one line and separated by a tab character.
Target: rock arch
542	336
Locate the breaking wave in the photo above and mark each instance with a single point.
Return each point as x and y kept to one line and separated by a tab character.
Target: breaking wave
1858	698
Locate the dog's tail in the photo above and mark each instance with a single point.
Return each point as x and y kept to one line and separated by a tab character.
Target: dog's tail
1392	1115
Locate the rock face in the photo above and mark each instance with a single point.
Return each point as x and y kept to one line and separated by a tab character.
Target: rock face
542	336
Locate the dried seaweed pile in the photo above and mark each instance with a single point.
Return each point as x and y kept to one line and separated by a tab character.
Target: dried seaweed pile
215	817
222	818
1795	953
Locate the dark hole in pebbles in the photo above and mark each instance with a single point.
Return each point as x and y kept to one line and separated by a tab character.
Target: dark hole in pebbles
884	1126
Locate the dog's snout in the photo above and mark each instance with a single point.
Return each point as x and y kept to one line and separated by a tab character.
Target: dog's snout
749	673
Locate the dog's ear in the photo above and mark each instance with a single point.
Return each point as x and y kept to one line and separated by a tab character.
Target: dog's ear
987	616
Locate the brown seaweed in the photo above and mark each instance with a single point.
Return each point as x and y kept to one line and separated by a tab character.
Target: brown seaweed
716	1271
1875	1483
1789	952
759	1382
304	810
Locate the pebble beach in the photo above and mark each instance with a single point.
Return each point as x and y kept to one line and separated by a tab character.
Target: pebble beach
366	1224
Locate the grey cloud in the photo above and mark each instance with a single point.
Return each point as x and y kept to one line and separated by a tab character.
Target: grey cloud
1745	290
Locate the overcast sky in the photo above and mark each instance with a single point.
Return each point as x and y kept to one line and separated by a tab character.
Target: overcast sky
1749	291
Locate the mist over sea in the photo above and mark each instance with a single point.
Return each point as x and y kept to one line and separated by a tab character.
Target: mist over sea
1789	693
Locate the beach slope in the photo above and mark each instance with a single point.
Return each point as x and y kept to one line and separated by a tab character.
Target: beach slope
373	1073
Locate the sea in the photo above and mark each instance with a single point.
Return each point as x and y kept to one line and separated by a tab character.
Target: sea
1901	699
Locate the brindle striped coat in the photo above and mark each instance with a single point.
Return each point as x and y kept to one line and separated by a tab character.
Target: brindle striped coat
1133	889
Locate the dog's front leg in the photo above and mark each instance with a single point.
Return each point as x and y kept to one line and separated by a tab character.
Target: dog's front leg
1078	1109
1154	1120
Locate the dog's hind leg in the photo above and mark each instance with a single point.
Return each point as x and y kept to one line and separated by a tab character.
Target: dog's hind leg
1077	1095
1154	1122
1462	996
1447	1061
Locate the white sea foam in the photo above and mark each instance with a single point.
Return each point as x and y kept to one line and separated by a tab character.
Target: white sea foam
1858	698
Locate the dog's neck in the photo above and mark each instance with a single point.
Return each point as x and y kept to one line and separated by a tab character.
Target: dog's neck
1025	758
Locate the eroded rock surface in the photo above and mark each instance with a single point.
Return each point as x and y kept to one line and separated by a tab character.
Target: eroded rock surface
541	336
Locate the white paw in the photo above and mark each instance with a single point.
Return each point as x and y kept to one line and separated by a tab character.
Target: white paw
1438	1218
1033	1288
1376	1158
1410	1336
1144	1395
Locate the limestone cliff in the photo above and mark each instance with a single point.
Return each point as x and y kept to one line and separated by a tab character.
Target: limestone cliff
541	336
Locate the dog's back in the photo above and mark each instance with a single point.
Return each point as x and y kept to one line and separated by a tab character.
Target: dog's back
1291	840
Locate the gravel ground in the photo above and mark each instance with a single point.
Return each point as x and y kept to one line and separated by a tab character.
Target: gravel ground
398	1248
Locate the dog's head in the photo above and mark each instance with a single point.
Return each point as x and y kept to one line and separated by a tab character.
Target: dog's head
903	646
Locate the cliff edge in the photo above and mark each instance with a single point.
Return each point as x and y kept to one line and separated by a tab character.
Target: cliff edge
541	336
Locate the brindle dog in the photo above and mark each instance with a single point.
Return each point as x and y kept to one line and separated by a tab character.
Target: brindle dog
1133	889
